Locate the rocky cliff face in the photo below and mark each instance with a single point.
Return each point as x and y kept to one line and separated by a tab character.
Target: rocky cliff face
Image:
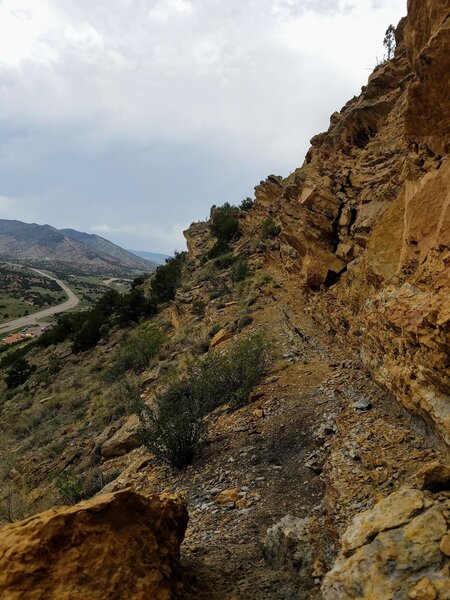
366	220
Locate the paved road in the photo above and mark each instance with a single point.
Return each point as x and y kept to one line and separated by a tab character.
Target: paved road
48	312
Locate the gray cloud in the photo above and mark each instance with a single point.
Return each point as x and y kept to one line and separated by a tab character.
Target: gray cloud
139	115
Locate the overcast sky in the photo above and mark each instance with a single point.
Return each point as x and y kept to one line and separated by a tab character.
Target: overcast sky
130	118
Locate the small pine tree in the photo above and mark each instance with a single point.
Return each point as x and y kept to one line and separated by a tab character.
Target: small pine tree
18	373
389	42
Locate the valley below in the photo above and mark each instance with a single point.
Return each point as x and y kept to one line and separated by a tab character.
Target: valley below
71	302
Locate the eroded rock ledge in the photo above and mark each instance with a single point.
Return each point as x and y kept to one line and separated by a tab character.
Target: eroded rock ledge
399	549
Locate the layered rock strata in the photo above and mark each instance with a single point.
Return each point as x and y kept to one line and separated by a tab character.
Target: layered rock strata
399	549
365	222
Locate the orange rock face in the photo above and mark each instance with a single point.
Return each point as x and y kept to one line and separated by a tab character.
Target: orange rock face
428	39
120	545
366	220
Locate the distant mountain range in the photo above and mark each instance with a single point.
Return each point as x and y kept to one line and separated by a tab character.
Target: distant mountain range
155	257
66	248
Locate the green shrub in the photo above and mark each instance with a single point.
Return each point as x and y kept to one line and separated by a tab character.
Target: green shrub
220	247
69	487
225	261
225	222
244	321
135	306
246	204
18	372
136	351
228	378
90	332
167	278
198	308
72	488
214	329
248	360
209	380
11	356
240	270
174	430
55	364
269	229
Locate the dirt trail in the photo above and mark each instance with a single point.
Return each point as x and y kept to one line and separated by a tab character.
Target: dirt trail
265	448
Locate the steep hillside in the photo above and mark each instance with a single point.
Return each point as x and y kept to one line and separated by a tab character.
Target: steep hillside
288	379
67	247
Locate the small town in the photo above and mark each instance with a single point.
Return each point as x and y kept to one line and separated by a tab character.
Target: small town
28	333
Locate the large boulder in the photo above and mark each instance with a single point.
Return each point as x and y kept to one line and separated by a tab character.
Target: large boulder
397	550
121	545
297	545
123	440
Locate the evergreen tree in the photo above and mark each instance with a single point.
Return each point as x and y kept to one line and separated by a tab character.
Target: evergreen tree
389	42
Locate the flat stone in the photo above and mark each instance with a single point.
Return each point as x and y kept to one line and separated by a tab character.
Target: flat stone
444	546
423	590
227	497
221	336
393	511
362	404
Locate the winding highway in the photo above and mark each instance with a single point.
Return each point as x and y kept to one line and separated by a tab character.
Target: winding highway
71	302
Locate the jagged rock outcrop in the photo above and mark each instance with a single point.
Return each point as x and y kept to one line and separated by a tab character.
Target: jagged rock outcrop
123	440
399	549
366	220
198	239
291	543
121	545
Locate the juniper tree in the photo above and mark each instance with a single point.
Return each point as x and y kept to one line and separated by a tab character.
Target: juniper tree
389	41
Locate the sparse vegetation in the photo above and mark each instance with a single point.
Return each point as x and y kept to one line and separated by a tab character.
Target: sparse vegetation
269	229
13	505
135	352
246	204
389	42
214	329
174	429
240	270
72	488
198	308
18	372
225	260
243	321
